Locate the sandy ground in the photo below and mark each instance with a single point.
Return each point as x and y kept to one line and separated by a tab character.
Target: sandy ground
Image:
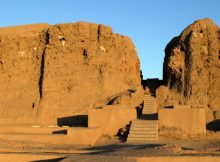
106	149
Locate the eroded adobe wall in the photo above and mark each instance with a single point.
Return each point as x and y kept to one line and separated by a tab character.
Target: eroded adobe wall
51	72
21	50
192	66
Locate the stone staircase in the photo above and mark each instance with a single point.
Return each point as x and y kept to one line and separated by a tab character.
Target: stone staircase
145	129
149	105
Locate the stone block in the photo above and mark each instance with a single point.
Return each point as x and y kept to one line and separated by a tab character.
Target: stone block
192	122
111	118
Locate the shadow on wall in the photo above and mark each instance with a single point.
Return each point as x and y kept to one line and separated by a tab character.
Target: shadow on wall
77	120
152	84
213	125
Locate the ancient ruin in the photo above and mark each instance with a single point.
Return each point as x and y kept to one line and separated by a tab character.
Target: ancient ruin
48	80
76	83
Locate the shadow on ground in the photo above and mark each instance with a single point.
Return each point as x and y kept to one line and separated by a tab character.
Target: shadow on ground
51	160
117	147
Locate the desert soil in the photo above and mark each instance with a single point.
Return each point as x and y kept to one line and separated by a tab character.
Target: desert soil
107	149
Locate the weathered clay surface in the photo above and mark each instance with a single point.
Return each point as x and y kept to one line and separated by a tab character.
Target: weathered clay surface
51	72
192	66
21	50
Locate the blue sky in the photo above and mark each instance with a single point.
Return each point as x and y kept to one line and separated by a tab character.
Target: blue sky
150	23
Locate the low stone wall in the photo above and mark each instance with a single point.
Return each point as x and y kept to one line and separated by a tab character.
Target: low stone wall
111	118
84	136
183	122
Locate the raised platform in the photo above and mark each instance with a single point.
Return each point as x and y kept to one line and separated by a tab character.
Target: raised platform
51	135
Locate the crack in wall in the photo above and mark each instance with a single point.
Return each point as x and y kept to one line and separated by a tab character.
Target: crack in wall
42	66
98	33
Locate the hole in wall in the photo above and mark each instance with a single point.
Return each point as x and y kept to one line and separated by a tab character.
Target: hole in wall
33	105
85	53
85	56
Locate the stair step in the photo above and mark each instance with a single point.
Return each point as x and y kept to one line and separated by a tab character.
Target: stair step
150	133
141	126
143	132
142	139
142	136
144	128
149	105
144	121
142	142
144	124
149	102
150	128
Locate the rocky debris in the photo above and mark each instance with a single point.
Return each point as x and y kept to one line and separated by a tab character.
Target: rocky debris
132	98
192	66
50	72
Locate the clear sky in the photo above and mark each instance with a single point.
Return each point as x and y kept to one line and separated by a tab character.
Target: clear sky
150	23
